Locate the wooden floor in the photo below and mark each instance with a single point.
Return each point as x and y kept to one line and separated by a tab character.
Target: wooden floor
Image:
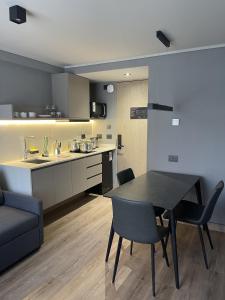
70	264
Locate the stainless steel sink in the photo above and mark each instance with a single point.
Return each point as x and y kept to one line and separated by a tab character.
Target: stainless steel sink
37	161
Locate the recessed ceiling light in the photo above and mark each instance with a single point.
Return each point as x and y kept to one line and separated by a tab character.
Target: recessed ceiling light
127	74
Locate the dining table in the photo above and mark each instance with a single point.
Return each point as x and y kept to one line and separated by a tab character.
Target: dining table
162	189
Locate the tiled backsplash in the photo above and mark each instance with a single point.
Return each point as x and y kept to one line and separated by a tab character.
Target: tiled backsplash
12	137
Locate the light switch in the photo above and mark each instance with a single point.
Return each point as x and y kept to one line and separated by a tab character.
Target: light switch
175	122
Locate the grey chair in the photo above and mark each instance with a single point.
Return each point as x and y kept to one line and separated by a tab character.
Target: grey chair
136	221
21	227
123	177
199	215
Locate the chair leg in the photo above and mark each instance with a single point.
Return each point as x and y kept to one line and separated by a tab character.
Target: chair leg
165	252
209	236
153	268
111	235
117	258
203	246
131	247
161	220
168	235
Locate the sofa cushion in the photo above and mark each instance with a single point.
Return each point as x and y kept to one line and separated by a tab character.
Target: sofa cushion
1	197
15	222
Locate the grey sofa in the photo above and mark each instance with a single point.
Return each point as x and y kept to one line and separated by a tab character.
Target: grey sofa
21	227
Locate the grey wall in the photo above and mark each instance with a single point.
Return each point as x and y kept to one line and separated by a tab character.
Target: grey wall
24	82
194	83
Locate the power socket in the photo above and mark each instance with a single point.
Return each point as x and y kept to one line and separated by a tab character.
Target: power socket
173	158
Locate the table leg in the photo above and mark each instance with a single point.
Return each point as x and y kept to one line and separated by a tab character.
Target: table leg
198	191
174	247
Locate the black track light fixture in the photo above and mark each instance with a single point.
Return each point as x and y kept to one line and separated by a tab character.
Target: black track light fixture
17	14
163	39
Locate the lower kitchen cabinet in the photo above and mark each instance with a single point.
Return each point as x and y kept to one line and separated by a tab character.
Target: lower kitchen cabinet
43	186
57	183
78	176
62	182
54	183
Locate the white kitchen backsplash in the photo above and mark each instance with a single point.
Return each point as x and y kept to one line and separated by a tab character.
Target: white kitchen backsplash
12	136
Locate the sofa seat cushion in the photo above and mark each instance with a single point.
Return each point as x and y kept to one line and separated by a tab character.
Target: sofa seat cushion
15	222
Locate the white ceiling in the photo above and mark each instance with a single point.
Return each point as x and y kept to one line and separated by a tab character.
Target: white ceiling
118	75
89	31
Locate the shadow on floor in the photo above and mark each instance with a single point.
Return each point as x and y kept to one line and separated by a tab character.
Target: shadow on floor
67	207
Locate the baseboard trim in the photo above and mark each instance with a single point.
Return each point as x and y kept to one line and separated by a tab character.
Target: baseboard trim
216	227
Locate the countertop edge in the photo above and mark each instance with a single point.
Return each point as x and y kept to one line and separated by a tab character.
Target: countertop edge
21	165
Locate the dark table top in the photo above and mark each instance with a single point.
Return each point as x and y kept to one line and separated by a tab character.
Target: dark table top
162	189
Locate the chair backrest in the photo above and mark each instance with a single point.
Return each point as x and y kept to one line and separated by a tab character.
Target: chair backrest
134	220
209	208
125	176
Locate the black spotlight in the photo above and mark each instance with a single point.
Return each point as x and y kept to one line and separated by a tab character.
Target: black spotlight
163	39
17	14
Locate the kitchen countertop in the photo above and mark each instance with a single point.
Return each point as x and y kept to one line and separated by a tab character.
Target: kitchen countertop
54	160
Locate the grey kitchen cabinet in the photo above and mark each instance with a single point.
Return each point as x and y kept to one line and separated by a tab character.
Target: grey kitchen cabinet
71	95
43	186
93	170
52	184
78	176
86	172
57	183
62	182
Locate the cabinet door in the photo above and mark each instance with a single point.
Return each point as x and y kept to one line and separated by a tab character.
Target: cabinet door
62	181
43	186
53	184
60	90
78	176
79	98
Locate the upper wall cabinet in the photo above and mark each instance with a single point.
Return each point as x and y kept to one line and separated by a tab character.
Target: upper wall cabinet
71	94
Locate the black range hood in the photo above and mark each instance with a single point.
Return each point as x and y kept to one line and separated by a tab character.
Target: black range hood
156	106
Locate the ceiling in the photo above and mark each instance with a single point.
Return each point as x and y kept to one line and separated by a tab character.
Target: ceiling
79	32
118	75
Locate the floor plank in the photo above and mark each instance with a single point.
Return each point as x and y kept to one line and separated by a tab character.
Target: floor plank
70	264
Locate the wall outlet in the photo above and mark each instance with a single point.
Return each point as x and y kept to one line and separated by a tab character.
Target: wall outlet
173	158
108	136
108	126
99	136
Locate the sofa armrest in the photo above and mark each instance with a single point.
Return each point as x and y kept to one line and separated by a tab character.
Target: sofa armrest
23	202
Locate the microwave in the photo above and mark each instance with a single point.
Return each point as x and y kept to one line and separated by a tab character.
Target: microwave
98	110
